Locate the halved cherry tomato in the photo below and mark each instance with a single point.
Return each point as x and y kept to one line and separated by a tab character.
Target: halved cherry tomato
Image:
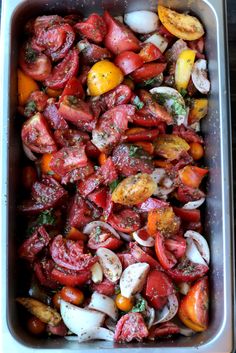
119	38
128	62
123	303
198	110
150	52
193	309
29	176
196	150
119	95
36	326
166	258
73	88
188	215
148	71
146	146
45	166
93	28
126	221
63	71
170	146
162	220
187	271
192	176
72	295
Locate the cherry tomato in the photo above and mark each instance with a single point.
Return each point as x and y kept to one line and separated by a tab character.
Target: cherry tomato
196	150
36	326
94	28
128	61
165	257
192	176
148	71
72	295
123	303
150	52
29	176
126	221
56	300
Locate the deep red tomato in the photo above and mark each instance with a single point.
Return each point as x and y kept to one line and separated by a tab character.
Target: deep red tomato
80	213
43	269
163	330
166	258
94	28
101	238
37	101
99	197
131	326
188	134
91	183
150	52
126	259
36	135
91	150
148	71
151	204
192	176
69	277
187	215
91	53
119	38
53	117
73	88
119	95
72	295
158	284
36	326
141	256
63	71
105	287
177	245
69	137
128	61
126	221
186	194
187	271
108	171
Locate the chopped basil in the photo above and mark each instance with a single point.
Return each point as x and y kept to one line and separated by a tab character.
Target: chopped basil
134	151
46	217
178	108
140	306
183	92
154	81
113	185
30	108
138	103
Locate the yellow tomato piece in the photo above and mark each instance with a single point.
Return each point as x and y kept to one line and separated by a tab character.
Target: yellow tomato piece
26	85
170	146
190	324
183	69
103	77
180	25
198	110
53	93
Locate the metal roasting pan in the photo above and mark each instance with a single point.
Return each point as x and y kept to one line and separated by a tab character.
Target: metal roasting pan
218	213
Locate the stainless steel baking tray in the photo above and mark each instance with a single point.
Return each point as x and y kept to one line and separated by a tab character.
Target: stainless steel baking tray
218	212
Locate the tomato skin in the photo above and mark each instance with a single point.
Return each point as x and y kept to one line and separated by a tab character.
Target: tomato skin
63	71
70	137
187	272
166	258
36	326
162	330
73	88
56	300
144	135
192	176
119	38
177	245
119	95
37	66
36	135
141	256
105	287
72	295
99	197
150	52
76	111
29	177
148	71
70	278
158	284
53	117
124	304
94	28
196	150
126	221
188	215
128	62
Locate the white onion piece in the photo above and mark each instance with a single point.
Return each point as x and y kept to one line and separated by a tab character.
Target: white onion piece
97	274
142	21
110	263
133	279
199	76
98	333
159	41
104	304
201	244
167	182
184	288
163	192
149	242
29	153
185	331
125	236
158	174
170	97
90	226
193	254
119	18
196	126
150	316
110	324
192	205
169	311
78	319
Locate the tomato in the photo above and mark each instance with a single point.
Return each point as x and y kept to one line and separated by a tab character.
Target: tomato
119	95
130	327
75	234
193	309
99	197
188	215
101	238
126	221
140	134
93	28
59	330
146	146
170	146
183	69
44	22
69	137
36	136
69	277
127	259
69	254
130	160
37	101
186	194
91	183
128	62
91	150
162	220
151	204
150	52
166	258
84	70
63	71
141	256
91	53
77	174
26	85
56	300
123	303
34	64
72	295
192	176
36	326
34	244
187	271
102	77
73	88
196	150
45	166
48	192
148	71
188	134
105	287
80	212
163	330
43	269
119	38
199	109
53	93
108	171
177	245
68	158
54	119
198	45
29	176
111	126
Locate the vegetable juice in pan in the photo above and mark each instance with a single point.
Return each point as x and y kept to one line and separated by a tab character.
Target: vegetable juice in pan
113	177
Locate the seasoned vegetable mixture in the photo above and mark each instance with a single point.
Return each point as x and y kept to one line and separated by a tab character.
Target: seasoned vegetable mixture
112	180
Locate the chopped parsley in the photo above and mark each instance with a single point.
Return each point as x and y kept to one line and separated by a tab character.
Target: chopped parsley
97	232
30	54
138	103
178	108
46	217
140	306
114	184
183	92
30	108
134	151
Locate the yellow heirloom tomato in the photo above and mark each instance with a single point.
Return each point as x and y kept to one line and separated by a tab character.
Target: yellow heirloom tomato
183	68
103	77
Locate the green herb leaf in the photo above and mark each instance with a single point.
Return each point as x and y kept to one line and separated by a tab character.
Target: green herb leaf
155	81
138	103
140	306
50	172
113	185
183	92
72	100
46	217
117	290
178	108
134	151
30	108
30	54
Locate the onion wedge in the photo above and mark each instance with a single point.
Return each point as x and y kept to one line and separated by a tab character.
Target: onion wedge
104	304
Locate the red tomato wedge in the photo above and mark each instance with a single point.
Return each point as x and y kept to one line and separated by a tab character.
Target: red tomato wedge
128	62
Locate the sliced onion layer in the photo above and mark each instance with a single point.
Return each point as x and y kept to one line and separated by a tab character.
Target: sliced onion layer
168	312
98	333
142	21
104	304
148	242
193	254
90	226
199	76
192	205
201	244
159	41
126	236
